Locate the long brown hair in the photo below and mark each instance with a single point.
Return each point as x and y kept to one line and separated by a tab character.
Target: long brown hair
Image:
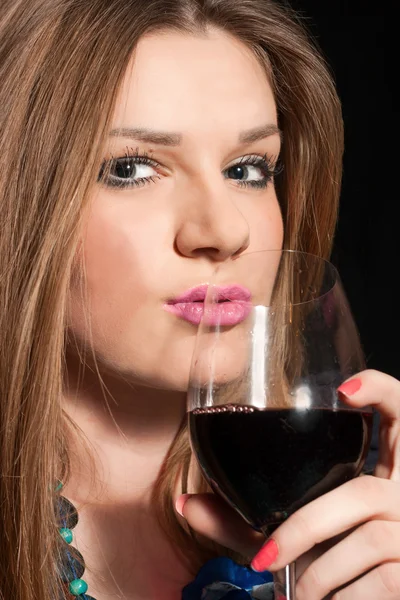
61	66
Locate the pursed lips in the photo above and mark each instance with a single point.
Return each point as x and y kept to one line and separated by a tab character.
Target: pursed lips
226	305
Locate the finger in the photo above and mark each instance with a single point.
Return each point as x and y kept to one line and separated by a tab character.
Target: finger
382	391
349	505
382	583
373	388
210	516
369	545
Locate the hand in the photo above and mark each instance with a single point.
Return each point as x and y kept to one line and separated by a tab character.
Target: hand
360	520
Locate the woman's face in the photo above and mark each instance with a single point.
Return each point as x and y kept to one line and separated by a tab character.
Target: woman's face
194	143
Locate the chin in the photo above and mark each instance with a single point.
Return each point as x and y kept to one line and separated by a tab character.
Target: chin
168	374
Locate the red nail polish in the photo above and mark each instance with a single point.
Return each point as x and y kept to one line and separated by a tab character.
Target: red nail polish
350	387
266	556
180	503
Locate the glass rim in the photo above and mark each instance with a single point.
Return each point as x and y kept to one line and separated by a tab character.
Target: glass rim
335	273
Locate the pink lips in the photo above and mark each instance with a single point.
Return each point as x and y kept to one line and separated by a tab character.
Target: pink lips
231	305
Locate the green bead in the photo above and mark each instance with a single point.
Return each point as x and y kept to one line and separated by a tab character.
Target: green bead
77	587
66	534
59	486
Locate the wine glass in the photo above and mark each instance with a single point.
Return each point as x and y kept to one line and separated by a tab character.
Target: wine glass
267	425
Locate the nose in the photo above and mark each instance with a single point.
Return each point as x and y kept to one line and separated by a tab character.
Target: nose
211	225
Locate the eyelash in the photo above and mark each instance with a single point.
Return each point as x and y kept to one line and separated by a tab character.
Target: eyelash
268	166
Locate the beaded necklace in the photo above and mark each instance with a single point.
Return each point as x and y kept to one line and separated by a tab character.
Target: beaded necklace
72	566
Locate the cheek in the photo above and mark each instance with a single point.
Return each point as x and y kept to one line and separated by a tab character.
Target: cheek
114	253
119	253
266	224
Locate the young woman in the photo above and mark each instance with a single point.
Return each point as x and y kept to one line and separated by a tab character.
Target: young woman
142	142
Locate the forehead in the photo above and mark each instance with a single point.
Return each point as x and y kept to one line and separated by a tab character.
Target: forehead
182	82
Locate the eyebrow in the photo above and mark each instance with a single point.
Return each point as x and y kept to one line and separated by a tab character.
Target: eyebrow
150	136
259	133
162	138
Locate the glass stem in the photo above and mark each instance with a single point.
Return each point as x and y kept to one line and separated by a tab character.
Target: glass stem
285	583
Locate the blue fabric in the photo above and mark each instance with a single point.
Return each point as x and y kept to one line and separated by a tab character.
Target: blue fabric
222	579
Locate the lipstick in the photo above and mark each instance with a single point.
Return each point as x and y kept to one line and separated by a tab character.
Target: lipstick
230	305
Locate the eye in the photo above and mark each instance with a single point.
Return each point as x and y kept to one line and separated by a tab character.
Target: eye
129	171
253	171
245	173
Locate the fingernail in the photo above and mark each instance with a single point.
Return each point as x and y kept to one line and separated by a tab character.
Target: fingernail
180	503
350	387
267	555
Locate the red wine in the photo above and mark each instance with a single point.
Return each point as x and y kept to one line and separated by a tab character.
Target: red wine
269	463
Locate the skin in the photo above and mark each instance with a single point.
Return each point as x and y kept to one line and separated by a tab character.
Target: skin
144	245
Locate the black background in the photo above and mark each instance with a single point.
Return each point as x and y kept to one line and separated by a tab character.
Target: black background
352	38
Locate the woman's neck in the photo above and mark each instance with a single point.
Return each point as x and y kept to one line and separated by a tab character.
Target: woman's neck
128	429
